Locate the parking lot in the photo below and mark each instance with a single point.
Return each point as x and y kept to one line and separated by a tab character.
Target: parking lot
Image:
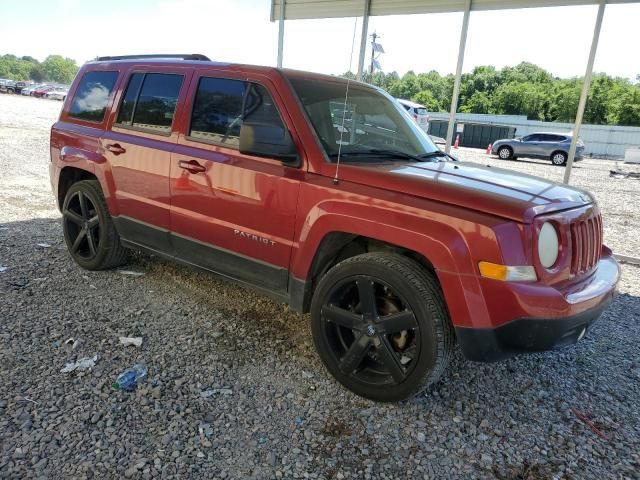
235	389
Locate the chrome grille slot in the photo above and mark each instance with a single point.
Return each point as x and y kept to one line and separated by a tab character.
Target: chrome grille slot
586	244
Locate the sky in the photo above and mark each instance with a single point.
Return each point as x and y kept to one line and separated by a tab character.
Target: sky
557	38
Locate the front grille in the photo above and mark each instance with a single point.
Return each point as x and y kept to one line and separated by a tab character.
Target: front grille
586	244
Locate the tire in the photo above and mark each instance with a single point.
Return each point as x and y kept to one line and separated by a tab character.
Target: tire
390	352
559	159
505	153
89	232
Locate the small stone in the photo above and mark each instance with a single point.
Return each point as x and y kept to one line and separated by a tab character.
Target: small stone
131	472
421	437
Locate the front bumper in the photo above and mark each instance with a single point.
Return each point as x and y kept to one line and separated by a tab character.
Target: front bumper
541	321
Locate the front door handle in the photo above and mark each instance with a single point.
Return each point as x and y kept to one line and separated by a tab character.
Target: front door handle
192	166
115	148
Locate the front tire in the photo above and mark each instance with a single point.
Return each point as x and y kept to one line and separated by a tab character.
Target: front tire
505	153
89	232
381	327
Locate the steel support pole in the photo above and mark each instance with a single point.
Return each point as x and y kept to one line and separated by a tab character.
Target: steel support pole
363	39
281	33
456	83
585	91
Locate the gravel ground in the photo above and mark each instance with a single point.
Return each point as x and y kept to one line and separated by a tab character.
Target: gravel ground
235	389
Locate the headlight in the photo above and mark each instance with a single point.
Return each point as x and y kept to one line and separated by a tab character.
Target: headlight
548	245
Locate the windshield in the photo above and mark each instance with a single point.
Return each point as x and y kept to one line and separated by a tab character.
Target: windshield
371	123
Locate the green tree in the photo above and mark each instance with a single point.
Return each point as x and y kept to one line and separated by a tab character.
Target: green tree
59	69
479	102
426	98
626	110
521	99
36	74
523	89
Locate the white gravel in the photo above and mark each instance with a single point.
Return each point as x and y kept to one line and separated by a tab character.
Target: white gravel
235	389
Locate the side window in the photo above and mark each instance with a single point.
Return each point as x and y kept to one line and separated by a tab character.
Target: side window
150	101
92	95
125	115
550	138
221	105
217	111
260	108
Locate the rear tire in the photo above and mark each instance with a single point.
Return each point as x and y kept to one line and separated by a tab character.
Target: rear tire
505	153
381	327
559	159
89	232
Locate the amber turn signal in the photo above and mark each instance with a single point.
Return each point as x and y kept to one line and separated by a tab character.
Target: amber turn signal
506	273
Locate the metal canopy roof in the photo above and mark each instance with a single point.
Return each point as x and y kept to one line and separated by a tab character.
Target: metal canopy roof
300	9
307	9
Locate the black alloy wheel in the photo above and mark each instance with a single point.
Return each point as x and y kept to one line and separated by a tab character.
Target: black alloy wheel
376	329
83	226
89	233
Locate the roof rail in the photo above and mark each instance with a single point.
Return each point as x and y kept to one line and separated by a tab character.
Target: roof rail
186	56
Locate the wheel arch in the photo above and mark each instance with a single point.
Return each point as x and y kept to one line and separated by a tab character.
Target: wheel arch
68	176
337	246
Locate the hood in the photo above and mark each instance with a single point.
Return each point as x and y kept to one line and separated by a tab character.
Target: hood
487	189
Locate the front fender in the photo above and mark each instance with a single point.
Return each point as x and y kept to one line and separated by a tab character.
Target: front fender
442	246
439	237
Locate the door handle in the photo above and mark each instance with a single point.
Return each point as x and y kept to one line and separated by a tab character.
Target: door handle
192	166
115	148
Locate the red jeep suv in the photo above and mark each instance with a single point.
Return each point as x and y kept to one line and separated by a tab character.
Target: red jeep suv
324	194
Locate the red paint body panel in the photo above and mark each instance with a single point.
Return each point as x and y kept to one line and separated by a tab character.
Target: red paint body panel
453	214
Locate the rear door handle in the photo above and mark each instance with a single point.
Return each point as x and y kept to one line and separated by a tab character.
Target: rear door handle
115	148
192	166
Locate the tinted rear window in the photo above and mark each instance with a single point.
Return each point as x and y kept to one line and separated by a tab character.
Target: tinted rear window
150	101
125	115
92	95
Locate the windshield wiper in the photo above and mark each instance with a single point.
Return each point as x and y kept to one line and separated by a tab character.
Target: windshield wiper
435	153
378	152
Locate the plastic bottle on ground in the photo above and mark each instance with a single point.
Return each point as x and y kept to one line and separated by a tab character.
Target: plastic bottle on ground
128	380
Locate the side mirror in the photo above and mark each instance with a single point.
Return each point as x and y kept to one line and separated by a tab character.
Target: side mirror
267	140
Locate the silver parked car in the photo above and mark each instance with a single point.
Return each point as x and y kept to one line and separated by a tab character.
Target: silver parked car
550	146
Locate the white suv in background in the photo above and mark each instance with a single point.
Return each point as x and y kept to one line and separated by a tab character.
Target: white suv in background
418	112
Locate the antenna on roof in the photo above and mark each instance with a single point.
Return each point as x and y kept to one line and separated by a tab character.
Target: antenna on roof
344	107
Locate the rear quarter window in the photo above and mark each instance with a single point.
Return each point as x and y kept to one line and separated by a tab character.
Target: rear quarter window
92	95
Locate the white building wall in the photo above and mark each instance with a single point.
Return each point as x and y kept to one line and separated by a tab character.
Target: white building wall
603	141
